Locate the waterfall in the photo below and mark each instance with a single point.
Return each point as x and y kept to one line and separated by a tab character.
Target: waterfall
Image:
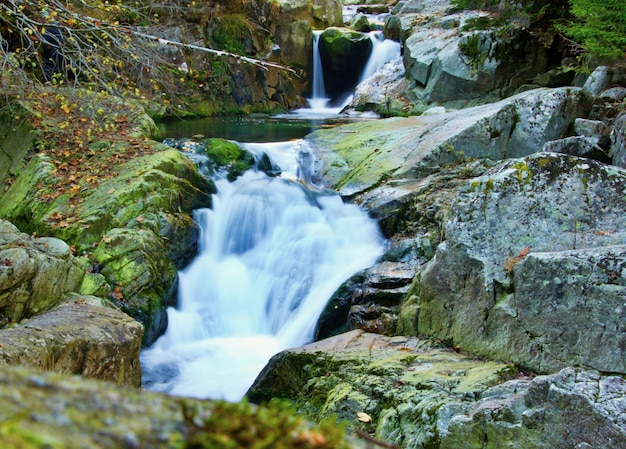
383	51
319	89
272	252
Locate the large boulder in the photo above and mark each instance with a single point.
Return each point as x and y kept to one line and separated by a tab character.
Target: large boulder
143	280
572	408
402	390
455	58
531	267
344	54
36	274
359	157
81	336
291	23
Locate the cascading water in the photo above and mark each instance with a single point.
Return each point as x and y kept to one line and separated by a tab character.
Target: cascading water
383	51
272	252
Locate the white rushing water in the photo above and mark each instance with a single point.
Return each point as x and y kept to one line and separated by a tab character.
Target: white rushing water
272	252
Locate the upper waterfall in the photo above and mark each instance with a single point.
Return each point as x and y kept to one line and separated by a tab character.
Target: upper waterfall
382	51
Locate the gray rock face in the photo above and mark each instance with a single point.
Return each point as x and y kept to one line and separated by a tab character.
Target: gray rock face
618	141
573	409
35	273
452	65
531	269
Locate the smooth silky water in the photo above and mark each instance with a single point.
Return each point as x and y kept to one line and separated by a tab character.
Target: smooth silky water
272	252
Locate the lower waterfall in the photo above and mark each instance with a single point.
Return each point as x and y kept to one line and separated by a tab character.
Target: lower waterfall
272	252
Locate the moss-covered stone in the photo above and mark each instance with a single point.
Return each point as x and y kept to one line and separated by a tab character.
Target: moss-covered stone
401	385
228	155
144	281
17	137
58	411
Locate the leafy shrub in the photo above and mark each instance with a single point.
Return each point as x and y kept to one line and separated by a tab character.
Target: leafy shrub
600	28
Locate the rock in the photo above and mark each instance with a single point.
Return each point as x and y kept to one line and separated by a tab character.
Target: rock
572	408
453	65
144	281
375	306
36	274
383	92
227	155
578	146
406	389
392	28
291	22
144	187
78	338
361	156
595	130
344	54
42	409
17	137
360	23
530	269
618	141
603	78
143	208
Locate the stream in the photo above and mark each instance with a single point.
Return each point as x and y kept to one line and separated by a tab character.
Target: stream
272	252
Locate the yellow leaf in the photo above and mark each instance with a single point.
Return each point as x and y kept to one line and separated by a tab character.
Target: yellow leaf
364	417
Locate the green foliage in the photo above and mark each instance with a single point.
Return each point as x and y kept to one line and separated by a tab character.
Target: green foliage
241	425
600	28
231	33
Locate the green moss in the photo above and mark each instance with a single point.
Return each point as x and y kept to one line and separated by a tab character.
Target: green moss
523	172
471	48
19	433
229	155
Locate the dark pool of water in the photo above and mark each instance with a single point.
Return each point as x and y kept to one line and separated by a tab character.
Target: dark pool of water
250	128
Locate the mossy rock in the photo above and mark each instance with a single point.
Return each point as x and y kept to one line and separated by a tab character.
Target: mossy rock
229	156
17	137
42	409
143	278
402	390
140	189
